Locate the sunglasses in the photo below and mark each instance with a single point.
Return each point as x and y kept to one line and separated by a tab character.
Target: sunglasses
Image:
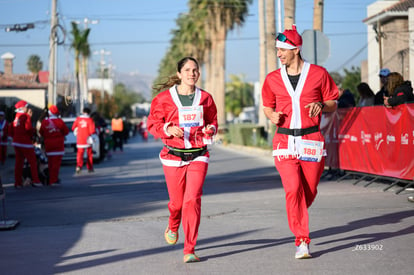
282	38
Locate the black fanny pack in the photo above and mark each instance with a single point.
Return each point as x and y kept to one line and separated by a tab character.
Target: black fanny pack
186	154
298	132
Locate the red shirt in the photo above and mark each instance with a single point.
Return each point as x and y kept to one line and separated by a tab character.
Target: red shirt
84	127
22	131
54	130
314	85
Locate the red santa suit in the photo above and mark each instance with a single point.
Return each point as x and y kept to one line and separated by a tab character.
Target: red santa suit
4	134
84	127
184	177
22	131
299	153
54	130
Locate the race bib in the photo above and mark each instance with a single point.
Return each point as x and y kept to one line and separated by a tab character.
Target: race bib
310	150
191	116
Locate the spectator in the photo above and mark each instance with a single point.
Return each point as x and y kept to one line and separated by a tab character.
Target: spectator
118	132
4	125
366	95
400	91
84	128
143	129
22	132
346	99
53	130
379	96
100	125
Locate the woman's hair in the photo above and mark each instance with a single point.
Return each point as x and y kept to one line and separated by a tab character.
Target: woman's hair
394	80
364	90
173	79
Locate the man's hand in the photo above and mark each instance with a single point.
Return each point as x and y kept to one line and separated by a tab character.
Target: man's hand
315	108
275	117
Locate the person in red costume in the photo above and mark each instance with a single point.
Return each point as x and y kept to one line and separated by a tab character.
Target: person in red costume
4	134
185	118
22	132
84	128
53	130
294	97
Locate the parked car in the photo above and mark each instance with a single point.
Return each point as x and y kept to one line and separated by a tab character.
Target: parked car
70	143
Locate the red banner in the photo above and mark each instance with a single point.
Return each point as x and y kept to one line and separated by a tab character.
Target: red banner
374	140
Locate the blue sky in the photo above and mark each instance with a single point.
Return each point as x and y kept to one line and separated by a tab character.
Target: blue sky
137	33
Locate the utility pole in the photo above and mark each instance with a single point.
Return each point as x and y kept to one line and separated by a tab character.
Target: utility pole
318	15
51	90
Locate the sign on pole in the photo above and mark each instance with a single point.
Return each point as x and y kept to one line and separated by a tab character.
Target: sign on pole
316	46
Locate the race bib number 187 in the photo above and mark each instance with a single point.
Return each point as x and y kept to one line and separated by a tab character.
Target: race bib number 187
191	116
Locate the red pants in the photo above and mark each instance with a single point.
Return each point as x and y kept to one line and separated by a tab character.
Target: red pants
3	153
300	180
21	154
89	158
185	187
54	163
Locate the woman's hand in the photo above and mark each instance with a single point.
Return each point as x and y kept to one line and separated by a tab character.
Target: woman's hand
209	130
175	131
386	104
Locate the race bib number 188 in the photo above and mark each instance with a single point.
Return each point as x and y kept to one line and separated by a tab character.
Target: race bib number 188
311	150
191	116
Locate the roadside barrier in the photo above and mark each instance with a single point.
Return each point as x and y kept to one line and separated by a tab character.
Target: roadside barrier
372	142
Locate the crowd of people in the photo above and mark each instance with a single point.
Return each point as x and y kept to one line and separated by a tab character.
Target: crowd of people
42	141
394	91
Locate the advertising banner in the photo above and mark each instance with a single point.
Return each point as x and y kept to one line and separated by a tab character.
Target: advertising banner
374	140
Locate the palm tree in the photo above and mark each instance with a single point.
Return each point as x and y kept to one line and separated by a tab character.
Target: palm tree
239	94
221	16
268	60
290	9
34	64
81	46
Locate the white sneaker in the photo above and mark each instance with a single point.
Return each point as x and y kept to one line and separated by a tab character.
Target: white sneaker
302	251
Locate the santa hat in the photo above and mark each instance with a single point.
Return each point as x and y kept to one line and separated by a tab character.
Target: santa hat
289	39
53	110
21	104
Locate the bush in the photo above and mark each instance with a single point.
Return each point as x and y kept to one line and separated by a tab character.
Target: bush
247	135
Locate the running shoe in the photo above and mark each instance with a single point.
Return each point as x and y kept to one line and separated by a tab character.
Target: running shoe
37	184
170	236
191	258
78	170
302	251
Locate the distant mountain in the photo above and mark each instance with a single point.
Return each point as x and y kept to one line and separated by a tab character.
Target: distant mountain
137	82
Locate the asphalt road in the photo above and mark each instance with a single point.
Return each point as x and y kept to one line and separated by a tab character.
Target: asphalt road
112	222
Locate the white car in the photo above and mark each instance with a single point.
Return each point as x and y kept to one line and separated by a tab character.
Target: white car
70	143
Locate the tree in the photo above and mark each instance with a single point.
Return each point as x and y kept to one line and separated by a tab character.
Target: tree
351	80
34	64
124	99
290	9
221	16
81	47
239	94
